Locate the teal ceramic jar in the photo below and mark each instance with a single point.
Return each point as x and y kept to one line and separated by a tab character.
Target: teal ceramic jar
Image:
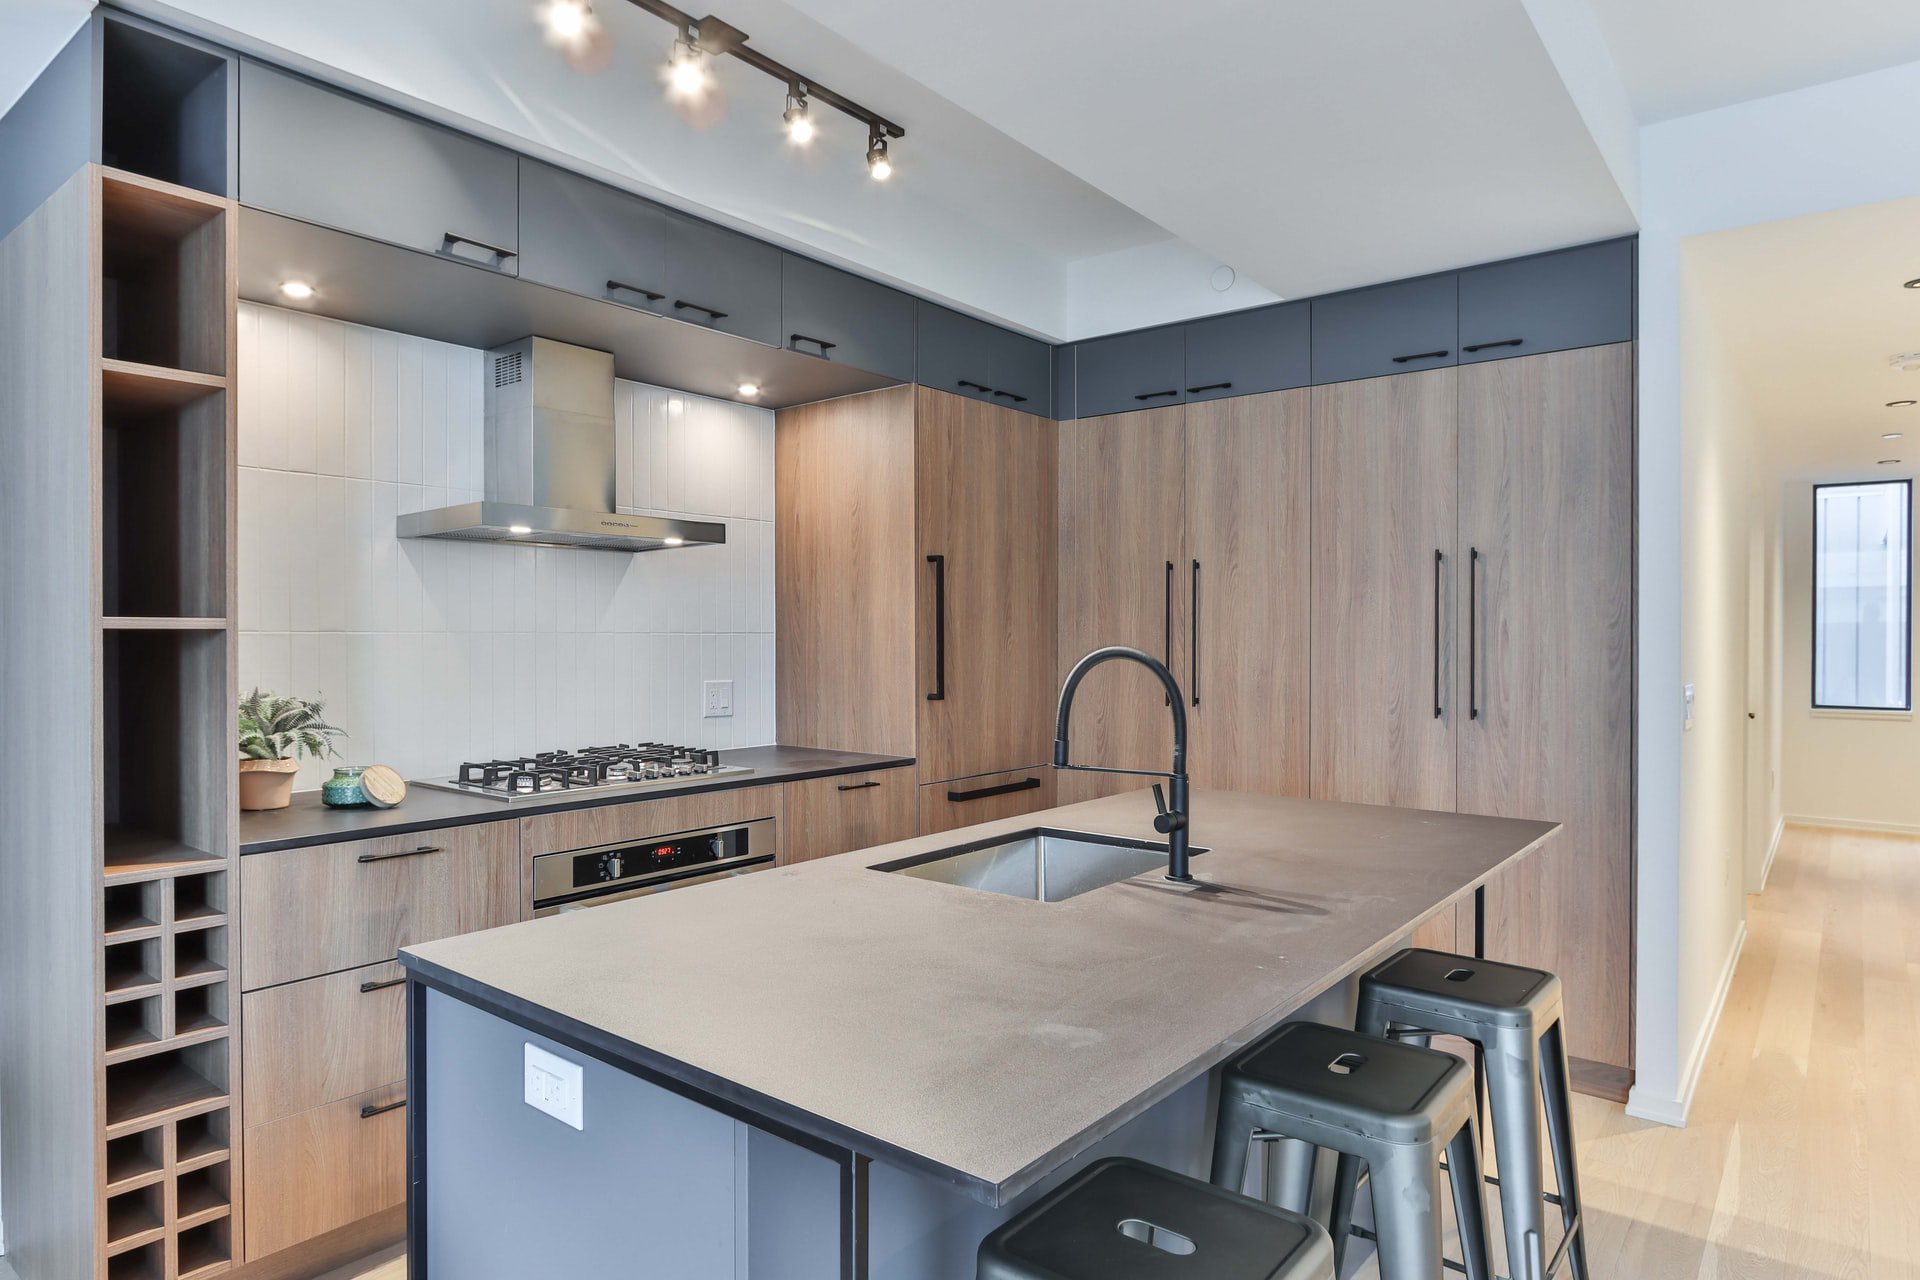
342	790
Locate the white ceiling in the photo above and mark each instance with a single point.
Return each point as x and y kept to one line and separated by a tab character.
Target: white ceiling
1808	311
1678	57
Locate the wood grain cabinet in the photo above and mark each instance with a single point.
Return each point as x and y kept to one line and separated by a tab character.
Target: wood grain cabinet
962	802
329	1167
916	578
826	816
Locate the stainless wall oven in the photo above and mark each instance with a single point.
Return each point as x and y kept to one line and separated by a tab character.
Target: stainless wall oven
616	872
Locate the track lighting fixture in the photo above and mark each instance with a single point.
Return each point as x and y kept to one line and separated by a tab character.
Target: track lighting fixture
698	41
799	127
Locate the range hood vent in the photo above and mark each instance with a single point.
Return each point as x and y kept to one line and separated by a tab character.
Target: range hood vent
550	461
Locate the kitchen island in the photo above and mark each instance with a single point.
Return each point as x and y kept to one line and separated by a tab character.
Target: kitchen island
835	1070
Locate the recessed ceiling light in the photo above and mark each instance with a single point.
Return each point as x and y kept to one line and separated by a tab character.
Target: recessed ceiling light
519	528
1890	435
298	290
1912	284
674	542
1888	462
1900	404
749	388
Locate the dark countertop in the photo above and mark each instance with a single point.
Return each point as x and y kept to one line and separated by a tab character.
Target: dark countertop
308	821
979	1039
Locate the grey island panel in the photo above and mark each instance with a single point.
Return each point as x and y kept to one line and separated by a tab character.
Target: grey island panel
977	1039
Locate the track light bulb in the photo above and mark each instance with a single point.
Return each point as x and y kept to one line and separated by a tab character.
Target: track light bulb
686	70
799	126
879	167
567	20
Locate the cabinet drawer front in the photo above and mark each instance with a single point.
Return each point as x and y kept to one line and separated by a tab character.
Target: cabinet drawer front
842	318
321	156
590	239
325	1168
306	912
1394	328
711	269
1130	371
315	1042
965	801
1022	373
1555	302
849	811
1250	352
955	352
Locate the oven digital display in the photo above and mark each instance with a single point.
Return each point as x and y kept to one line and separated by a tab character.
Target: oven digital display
606	865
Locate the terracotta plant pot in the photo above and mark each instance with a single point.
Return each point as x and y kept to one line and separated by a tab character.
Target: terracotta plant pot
267	784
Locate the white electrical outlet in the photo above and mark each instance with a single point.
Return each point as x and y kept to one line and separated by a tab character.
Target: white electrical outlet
555	1086
719	698
1686	694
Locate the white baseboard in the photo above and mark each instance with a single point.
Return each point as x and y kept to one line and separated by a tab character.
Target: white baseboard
1855	824
1673	1111
1773	850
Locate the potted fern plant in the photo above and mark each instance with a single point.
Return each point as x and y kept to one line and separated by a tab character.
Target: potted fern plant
274	733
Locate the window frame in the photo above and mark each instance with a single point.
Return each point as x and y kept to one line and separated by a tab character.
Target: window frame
1813	603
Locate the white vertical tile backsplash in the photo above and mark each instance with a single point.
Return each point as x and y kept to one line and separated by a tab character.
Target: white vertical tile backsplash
429	653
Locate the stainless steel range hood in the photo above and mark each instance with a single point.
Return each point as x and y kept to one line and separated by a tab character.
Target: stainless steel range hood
550	461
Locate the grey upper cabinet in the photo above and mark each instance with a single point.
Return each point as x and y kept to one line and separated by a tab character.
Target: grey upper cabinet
590	239
1391	328
1128	371
1065	363
1553	302
720	279
1245	353
841	317
321	156
970	357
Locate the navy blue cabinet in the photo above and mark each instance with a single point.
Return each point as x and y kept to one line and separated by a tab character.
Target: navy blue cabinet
970	357
720	279
837	316
1022	372
1391	328
321	156
590	239
1142	370
1244	353
1553	302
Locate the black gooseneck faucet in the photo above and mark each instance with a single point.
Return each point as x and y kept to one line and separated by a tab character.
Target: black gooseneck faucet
1172	820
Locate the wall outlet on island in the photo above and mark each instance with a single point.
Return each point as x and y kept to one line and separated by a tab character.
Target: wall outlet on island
555	1086
719	698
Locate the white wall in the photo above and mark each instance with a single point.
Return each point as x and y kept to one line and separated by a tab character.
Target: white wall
1829	147
429	652
1853	768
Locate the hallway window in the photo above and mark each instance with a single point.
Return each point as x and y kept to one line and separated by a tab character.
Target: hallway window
1862	618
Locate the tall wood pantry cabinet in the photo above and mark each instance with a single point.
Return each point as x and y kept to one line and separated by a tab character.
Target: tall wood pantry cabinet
915	594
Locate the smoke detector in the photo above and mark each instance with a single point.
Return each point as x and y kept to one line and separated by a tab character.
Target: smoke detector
1906	361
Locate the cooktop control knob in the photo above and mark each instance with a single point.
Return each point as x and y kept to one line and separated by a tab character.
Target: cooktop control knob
612	866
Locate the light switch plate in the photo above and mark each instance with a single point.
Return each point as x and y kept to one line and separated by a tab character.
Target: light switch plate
556	1087
719	698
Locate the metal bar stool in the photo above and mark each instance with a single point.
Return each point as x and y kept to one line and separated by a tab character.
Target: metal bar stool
1513	1016
1392	1107
1123	1220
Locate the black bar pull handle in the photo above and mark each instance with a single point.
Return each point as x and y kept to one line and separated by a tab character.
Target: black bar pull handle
452	238
1211	386
1473	633
1167	625
1193	658
971	385
369	1111
1155	395
1439	559
983	793
1489	346
856	786
381	984
1422	355
1013	396
681	304
795	339
400	853
621	286
939	564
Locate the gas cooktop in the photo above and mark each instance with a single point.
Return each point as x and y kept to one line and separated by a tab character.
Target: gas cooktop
624	767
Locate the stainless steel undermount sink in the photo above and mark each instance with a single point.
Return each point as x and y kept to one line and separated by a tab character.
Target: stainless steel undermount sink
1043	865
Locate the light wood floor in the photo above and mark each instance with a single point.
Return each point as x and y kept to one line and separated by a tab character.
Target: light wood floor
1802	1157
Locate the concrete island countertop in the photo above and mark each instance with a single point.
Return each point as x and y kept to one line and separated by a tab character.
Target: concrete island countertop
308	822
976	1038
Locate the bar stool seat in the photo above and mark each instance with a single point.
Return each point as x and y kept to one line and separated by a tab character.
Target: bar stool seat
1392	1107
1120	1219
1513	1014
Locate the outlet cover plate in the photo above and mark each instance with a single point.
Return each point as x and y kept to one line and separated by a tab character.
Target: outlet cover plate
556	1087
719	700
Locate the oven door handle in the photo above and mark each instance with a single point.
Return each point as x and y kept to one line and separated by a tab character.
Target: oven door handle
695	875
